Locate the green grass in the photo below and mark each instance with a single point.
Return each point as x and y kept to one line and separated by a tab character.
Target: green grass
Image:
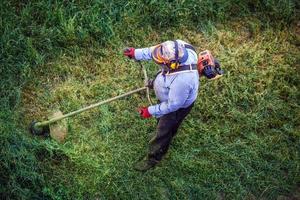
241	140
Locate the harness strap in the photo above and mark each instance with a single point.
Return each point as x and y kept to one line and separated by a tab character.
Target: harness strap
183	68
185	56
188	46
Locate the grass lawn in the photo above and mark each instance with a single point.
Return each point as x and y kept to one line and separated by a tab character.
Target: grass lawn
241	140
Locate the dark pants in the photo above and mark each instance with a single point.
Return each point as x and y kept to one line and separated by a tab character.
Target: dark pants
166	129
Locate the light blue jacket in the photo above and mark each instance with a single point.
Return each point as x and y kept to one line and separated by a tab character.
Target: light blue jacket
175	90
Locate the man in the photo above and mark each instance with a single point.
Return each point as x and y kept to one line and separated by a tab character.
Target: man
176	87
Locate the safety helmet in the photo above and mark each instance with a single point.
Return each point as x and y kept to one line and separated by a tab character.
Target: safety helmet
170	53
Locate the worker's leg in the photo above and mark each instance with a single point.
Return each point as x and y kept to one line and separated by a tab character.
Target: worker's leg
181	114
160	142
166	129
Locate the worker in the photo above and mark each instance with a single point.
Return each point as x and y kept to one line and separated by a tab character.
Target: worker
175	86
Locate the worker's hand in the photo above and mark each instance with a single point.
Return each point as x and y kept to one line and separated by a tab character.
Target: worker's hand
144	112
129	52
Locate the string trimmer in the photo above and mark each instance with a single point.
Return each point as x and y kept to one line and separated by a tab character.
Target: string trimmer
56	126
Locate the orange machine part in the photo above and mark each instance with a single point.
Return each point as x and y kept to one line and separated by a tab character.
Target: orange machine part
205	58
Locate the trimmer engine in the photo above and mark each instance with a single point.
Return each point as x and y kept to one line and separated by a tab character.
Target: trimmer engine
209	66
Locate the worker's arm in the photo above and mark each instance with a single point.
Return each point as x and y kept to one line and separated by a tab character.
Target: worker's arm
144	53
178	94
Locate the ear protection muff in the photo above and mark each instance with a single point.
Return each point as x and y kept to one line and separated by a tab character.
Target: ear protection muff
174	64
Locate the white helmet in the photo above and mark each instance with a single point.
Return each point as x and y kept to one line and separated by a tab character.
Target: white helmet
170	53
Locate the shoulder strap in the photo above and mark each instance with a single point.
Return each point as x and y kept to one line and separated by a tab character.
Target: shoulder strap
188	46
185	57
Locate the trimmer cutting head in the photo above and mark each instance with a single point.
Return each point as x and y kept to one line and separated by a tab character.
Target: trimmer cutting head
56	130
36	130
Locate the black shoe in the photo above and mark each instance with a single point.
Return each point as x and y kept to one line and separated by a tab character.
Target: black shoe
145	164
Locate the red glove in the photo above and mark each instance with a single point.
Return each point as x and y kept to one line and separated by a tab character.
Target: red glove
144	112
129	52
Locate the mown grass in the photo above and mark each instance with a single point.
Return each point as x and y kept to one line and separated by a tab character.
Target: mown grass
241	140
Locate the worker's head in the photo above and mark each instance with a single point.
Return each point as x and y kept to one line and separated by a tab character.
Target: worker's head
170	54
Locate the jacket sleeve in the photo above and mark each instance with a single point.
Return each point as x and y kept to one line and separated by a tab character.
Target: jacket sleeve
144	53
178	94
